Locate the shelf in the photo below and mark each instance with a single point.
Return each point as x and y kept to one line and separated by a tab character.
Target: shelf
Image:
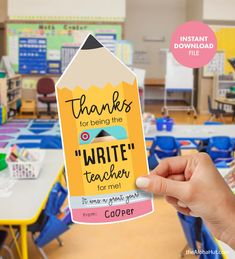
13	89
227	81
40	75
13	101
154	82
16	76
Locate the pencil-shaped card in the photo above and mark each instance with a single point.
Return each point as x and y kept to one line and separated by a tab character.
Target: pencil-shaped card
102	137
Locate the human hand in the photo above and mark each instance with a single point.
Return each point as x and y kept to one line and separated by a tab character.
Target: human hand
194	187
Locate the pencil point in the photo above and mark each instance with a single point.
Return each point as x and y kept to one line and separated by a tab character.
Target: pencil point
103	133
91	43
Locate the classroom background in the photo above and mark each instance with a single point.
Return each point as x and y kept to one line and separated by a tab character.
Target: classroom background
185	111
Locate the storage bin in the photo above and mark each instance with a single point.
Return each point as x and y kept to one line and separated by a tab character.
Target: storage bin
27	169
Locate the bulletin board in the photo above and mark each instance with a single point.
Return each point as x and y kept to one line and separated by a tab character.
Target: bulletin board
225	42
60	39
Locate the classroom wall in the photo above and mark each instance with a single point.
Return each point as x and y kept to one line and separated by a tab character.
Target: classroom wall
158	19
1	41
220	10
151	18
3	10
69	9
194	9
205	85
154	19
211	10
3	17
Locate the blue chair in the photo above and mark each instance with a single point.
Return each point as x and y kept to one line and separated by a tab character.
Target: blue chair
149	142
192	231
152	161
165	146
48	226
208	244
202	145
51	142
220	149
213	123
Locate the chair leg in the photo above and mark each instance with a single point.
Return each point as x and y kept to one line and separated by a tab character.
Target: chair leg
41	251
211	117
7	248
221	117
12	242
49	112
183	252
59	241
48	108
43	254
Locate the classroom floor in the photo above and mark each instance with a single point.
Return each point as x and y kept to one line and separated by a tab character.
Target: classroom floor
158	235
183	117
179	117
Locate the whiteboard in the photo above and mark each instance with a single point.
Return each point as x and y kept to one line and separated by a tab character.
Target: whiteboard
113	10
178	77
140	75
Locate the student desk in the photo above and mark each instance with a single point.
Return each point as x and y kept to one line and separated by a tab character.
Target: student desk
29	197
227	101
194	132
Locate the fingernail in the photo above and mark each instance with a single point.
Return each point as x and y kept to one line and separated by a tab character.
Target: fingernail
142	182
181	204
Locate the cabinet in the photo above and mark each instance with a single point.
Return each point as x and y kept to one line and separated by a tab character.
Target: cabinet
10	94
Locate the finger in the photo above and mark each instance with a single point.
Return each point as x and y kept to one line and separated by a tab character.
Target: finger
171	166
185	211
182	204
160	185
173	201
177	177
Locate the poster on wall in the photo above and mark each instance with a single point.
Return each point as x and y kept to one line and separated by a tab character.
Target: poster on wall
57	36
225	43
32	55
67	53
215	66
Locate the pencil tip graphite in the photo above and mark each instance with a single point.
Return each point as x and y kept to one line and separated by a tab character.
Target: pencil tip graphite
91	43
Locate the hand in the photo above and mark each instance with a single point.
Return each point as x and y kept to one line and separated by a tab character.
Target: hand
194	187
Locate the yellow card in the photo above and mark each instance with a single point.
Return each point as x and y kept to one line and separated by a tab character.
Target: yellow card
102	137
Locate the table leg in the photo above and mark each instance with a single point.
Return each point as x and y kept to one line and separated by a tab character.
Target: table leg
233	114
24	248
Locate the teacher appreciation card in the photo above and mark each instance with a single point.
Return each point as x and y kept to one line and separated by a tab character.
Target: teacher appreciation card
102	137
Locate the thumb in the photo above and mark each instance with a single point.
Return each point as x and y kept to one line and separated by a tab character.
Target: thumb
160	185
